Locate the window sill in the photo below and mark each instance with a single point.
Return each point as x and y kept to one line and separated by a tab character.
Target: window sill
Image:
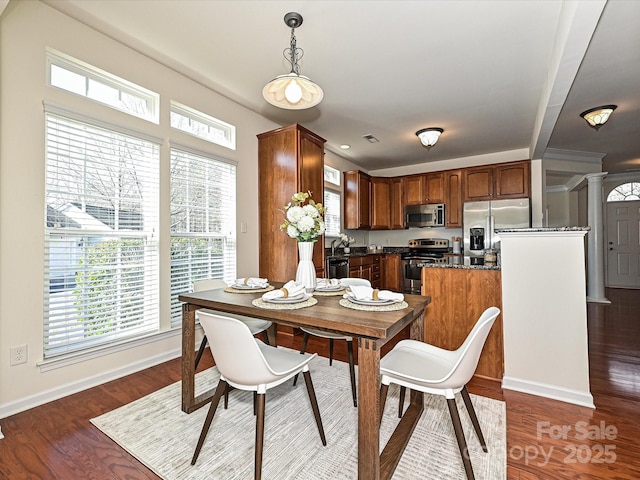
79	357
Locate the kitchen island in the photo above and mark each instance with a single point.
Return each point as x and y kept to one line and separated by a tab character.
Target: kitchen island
460	291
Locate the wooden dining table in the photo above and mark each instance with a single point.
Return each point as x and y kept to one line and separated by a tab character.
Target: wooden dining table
371	329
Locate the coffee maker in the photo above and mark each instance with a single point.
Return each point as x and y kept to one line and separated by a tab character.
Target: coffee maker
476	239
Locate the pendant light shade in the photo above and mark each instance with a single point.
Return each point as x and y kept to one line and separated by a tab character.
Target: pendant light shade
429	136
293	91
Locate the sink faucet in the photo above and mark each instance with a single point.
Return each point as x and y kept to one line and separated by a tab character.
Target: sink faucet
333	248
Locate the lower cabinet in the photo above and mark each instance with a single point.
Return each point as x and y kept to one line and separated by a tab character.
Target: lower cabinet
458	298
391	272
366	266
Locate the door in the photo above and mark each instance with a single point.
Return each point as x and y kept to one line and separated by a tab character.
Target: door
623	249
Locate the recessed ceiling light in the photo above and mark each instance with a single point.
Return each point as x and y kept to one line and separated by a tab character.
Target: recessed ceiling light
344	146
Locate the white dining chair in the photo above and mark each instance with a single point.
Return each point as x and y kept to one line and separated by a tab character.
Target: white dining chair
429	369
337	336
246	363
256	325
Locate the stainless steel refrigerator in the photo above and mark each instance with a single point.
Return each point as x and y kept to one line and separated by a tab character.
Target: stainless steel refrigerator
485	217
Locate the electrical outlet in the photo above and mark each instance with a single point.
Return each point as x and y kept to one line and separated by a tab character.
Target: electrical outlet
18	354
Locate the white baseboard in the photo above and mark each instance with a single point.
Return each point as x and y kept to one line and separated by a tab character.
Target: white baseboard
578	397
41	398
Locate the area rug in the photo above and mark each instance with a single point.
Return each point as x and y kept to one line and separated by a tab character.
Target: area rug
155	431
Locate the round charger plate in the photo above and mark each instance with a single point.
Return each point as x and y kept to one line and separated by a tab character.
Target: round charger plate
258	302
333	293
336	288
373	308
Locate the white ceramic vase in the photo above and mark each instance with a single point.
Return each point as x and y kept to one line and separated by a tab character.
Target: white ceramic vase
306	273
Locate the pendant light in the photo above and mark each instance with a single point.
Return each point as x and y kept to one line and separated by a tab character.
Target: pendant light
293	91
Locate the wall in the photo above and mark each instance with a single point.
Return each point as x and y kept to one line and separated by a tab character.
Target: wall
26	29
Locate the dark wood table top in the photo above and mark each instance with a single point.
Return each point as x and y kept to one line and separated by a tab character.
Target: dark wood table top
327	314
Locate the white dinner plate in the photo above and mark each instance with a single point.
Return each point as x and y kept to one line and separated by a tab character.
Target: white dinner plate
248	287
298	298
370	301
334	288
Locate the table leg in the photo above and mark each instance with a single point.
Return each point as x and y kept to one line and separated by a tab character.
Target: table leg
368	408
188	357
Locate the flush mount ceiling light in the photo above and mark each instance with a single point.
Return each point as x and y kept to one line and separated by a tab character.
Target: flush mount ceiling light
596	117
429	136
292	90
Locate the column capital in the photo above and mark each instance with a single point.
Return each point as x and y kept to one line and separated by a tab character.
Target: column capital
595	176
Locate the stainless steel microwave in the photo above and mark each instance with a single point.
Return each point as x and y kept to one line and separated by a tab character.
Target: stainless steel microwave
427	215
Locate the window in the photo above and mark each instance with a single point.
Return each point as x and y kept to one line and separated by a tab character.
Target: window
332	175
202	125
625	192
203	232
332	213
83	79
101	255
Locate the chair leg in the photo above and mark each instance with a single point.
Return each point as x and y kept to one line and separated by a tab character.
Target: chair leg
255	403
203	345
226	396
222	385
330	351
384	389
352	372
462	443
474	418
265	337
314	405
259	436
303	349
401	402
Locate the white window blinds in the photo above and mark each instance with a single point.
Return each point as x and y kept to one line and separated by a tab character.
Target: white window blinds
332	213
101	256
203	223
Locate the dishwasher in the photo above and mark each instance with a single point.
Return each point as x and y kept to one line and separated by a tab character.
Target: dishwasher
337	267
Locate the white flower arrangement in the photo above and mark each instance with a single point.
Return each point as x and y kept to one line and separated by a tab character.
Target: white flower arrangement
303	222
346	240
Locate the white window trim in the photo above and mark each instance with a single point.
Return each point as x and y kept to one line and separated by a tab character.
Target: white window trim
89	71
193	114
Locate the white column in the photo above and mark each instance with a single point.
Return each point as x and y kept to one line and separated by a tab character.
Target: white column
595	252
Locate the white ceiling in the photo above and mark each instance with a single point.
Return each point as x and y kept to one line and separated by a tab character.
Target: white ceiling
496	75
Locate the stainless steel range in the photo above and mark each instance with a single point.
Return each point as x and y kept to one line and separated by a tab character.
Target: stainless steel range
421	250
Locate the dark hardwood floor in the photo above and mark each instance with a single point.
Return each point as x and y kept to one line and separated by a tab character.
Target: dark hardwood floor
546	439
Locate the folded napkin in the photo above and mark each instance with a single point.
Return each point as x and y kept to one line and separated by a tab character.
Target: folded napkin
252	282
361	292
327	282
289	289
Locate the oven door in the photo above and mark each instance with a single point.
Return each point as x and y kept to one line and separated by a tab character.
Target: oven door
412	275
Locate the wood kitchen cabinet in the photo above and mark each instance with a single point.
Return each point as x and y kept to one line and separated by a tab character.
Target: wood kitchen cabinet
453	198
391	272
290	160
396	204
423	188
368	267
380	203
497	182
458	298
357	200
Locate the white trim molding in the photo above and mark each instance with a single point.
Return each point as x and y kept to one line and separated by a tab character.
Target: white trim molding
554	392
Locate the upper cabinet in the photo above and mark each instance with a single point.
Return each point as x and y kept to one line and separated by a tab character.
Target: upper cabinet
423	188
290	160
453	198
397	204
380	203
496	182
357	200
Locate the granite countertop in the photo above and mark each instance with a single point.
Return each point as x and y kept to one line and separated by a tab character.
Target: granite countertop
543	229
463	263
